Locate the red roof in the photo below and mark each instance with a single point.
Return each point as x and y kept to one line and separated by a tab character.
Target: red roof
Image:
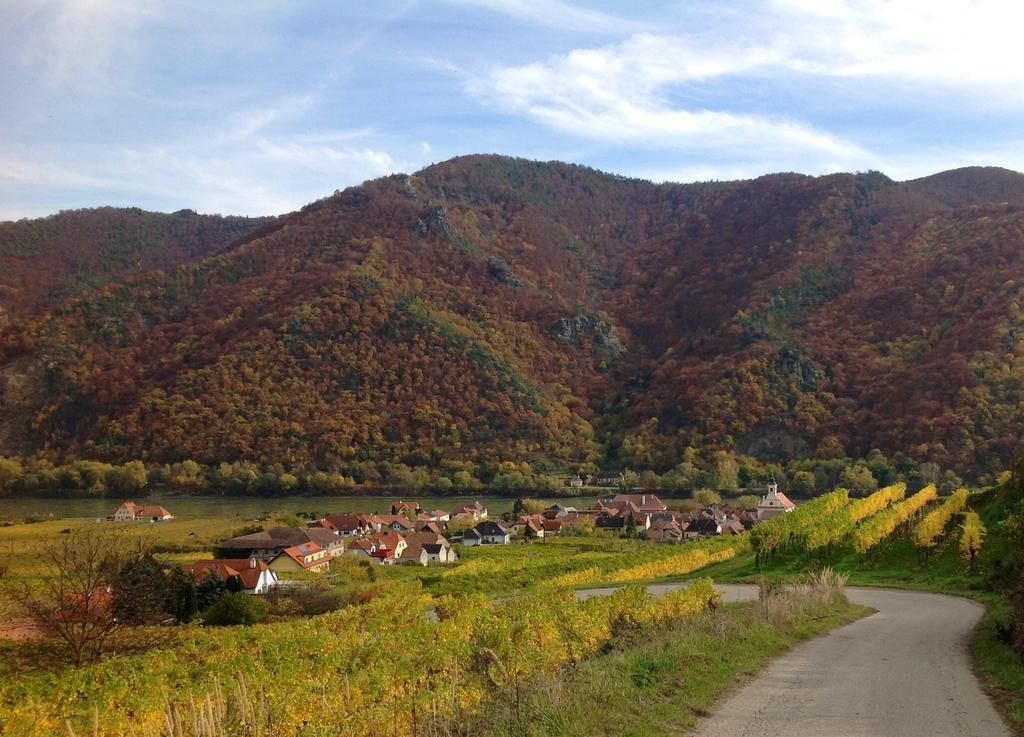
225	568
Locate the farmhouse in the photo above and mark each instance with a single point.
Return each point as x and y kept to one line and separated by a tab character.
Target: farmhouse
486	533
255	575
130	511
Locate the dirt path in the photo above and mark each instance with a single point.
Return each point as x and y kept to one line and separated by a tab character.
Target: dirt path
902	672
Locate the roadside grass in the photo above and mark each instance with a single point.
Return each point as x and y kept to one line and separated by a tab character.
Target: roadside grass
660	682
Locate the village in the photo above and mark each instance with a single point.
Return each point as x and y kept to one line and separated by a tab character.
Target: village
407	534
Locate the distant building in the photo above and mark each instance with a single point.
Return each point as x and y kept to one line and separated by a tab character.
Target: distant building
476	511
774	503
303	557
268	544
130	511
486	533
256	576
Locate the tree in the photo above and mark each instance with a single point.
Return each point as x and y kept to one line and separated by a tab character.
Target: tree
803	483
180	601
649	480
209	590
706	497
630	531
129	478
236	608
747	501
858	480
73	597
140	591
725	475
582	526
10	470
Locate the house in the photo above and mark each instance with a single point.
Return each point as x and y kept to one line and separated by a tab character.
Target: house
255	576
476	511
558	511
486	533
641	502
413	555
125	512
575	482
437	548
438	515
435	528
552	526
393	522
268	544
302	557
440	552
347	525
608	479
403	507
384	556
664	531
129	511
703	525
387	546
530	526
774	503
330	541
362	547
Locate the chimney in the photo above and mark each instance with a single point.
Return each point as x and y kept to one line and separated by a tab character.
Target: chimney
252	562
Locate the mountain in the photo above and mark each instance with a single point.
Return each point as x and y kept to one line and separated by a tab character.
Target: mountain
972	186
489	308
48	260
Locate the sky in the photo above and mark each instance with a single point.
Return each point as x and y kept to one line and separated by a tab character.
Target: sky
257	107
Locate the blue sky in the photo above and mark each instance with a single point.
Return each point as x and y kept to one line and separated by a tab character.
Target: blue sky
259	107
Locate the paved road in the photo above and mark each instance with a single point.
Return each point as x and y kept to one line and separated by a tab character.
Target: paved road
901	672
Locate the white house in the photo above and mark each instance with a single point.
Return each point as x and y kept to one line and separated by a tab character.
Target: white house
486	533
130	511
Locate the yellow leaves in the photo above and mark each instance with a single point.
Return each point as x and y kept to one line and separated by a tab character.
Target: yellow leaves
676	565
887	496
880	526
973	532
931	527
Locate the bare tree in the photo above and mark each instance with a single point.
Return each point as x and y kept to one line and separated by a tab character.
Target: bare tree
73	601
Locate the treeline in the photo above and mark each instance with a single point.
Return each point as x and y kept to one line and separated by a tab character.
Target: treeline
720	471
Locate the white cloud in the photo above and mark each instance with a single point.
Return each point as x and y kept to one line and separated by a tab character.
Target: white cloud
617	94
635	92
949	42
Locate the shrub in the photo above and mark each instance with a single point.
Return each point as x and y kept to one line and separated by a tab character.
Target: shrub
236	608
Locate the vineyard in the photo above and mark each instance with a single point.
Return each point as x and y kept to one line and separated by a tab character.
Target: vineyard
476	650
878	528
933	525
574	562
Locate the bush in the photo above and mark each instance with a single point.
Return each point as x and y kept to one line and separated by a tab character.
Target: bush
318	599
236	608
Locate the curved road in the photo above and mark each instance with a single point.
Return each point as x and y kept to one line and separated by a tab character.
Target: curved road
901	672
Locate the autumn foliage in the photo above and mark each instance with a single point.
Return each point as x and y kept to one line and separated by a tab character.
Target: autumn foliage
488	309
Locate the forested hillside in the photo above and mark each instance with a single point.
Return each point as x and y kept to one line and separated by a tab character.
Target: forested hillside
488	308
48	260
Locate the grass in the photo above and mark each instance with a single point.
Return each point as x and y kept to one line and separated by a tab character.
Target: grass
660	682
